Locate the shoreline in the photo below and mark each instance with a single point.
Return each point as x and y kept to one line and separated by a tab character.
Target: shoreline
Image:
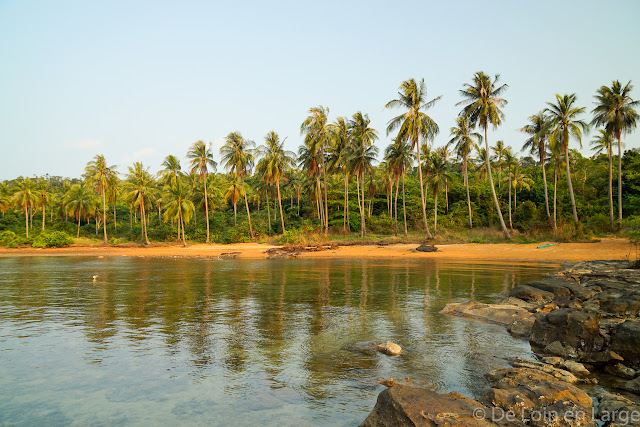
608	248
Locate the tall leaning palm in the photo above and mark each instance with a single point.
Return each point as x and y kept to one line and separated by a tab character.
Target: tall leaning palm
482	107
237	157
275	162
316	129
414	125
615	110
140	185
201	159
564	120
101	176
465	141
538	129
604	142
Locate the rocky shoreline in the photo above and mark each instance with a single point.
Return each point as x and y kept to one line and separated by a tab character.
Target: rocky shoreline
583	324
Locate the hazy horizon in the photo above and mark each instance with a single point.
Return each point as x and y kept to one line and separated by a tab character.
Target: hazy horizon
144	80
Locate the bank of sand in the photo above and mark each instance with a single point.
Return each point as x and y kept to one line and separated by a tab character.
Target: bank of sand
609	248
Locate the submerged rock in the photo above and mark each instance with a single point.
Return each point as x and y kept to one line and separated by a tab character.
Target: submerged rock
372	347
389	348
408	406
502	314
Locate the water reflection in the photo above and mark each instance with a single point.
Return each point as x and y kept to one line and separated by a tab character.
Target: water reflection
161	341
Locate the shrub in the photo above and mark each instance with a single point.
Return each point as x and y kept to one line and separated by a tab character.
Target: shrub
51	239
114	241
8	239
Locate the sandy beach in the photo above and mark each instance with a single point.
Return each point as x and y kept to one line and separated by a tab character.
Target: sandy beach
610	248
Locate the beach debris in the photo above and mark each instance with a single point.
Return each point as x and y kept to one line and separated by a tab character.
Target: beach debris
545	246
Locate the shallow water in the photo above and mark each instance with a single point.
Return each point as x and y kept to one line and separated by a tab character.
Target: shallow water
194	342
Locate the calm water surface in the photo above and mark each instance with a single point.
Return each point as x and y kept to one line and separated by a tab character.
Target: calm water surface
234	342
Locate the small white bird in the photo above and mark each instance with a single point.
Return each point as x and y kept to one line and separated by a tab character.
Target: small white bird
95	277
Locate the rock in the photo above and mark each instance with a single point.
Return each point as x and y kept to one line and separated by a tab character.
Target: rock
626	342
574	367
521	327
530	392
633	386
563	290
229	255
501	314
531	294
408	406
560	374
616	410
426	248
621	371
389	348
555	361
571	333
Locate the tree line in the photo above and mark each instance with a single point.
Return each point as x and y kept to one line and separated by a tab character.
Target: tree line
336	164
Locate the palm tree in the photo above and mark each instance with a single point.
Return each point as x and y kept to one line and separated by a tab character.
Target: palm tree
414	125
482	103
80	202
201	159
178	205
563	116
465	142
615	110
400	156
171	171
141	185
234	193
437	172
539	128
237	156
362	155
604	142
520	182
340	139
316	130
498	153
43	197
274	163
510	161
101	176
5	200
25	197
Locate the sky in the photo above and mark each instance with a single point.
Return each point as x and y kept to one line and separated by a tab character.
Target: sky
139	80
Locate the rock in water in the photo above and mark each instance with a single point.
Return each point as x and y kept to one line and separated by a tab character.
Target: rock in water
502	314
408	406
389	348
426	248
616	410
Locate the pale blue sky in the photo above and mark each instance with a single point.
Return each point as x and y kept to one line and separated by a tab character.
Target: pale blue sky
138	80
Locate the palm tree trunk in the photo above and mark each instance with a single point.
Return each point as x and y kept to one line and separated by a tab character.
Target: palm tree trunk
235	214
466	184
493	189
362	220
510	223
555	197
359	204
619	181
115	217
104	215
424	206
326	206
78	235
44	215
346	195
544	180
396	205
280	203
446	193
610	188
404	207
319	201
573	199
435	208
206	205
266	193
246	203
26	219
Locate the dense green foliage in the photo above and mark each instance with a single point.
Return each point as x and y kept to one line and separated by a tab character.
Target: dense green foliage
337	189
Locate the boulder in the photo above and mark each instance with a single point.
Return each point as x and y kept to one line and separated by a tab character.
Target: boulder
572	333
574	367
426	248
560	374
408	406
616	410
389	348
531	294
531	392
621	371
501	314
625	341
563	290
633	386
521	328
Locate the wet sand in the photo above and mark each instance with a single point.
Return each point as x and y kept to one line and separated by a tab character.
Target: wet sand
610	248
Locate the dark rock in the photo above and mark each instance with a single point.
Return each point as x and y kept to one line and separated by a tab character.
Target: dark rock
563	290
229	255
626	342
621	371
616	410
531	294
571	333
408	406
521	328
426	248
633	386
